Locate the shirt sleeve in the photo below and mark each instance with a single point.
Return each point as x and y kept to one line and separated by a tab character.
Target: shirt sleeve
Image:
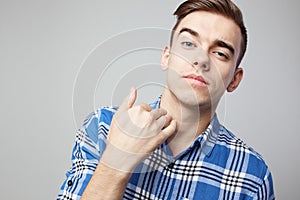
86	153
266	190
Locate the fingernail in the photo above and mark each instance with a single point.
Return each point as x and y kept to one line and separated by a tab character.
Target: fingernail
131	92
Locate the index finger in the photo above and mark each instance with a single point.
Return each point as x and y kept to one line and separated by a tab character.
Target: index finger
157	113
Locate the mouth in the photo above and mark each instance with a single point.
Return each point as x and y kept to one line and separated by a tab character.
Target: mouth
196	80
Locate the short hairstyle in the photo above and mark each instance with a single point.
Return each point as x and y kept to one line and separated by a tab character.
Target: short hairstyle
225	8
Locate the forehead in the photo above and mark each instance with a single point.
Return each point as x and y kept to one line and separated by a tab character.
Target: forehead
211	27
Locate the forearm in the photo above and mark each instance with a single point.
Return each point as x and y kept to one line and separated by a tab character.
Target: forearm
106	183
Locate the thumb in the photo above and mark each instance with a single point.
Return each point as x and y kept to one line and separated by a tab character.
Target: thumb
129	100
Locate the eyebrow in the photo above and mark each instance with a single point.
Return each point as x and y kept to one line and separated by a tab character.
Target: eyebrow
223	44
218	43
190	31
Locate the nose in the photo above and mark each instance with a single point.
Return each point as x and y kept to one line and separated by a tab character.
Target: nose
203	65
201	61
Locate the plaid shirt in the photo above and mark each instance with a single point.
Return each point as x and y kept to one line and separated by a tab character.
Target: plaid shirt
217	165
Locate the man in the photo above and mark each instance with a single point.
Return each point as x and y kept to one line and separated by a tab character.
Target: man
176	147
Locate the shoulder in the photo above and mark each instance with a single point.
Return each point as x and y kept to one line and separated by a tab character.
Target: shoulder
229	139
98	122
252	161
240	166
101	115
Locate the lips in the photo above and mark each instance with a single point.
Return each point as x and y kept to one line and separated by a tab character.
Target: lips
196	79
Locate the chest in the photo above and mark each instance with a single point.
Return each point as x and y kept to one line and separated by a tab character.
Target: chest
194	176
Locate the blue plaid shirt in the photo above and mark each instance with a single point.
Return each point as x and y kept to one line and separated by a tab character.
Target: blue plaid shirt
217	165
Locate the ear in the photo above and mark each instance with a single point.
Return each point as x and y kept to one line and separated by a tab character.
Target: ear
164	62
237	77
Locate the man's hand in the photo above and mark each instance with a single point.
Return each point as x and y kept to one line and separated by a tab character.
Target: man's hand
135	132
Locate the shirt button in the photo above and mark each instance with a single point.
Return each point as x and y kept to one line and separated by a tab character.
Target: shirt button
171	164
70	183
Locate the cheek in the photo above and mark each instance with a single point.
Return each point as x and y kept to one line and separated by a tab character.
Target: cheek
220	81
173	77
224	75
174	62
175	69
228	77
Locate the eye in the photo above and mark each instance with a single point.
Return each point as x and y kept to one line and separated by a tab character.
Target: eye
188	44
221	55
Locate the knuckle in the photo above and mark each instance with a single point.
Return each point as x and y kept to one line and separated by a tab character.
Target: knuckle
148	120
142	107
150	116
139	108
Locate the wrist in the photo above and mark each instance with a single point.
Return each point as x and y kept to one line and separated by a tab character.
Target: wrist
113	172
120	161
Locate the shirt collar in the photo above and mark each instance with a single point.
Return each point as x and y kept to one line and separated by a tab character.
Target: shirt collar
208	138
156	103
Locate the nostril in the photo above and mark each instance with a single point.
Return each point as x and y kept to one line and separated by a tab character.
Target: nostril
202	65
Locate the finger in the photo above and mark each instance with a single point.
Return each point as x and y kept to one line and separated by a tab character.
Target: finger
157	113
168	121
168	131
129	100
145	107
160	122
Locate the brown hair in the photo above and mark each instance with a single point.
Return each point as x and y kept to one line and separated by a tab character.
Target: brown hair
225	8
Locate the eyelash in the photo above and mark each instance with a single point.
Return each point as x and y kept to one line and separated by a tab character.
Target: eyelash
188	44
221	54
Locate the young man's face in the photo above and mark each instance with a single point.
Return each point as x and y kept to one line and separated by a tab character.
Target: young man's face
201	63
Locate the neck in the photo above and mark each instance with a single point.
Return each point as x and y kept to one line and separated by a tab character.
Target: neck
191	120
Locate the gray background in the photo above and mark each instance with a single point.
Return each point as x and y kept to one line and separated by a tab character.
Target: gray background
43	49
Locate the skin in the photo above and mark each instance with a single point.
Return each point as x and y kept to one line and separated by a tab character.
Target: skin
187	105
191	105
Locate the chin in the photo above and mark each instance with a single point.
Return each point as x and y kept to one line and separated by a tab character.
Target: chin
190	98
